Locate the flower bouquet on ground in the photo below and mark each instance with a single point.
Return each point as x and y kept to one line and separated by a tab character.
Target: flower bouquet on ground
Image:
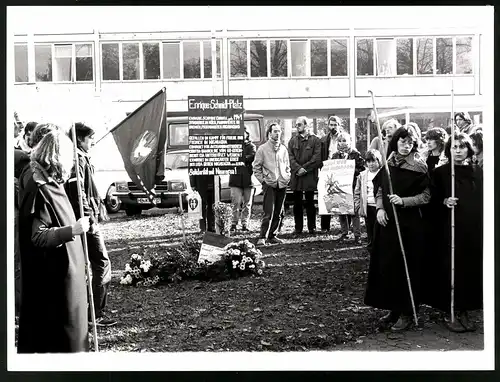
140	272
223	213
243	258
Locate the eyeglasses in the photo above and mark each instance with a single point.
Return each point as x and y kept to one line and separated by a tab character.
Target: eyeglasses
298	124
333	124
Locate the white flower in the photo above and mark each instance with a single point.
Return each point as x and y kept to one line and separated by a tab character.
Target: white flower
236	252
127	267
123	281
242	266
135	256
251	266
259	271
129	279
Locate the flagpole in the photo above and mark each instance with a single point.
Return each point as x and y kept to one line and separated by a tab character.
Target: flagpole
452	159
396	220
214	92
130	115
84	241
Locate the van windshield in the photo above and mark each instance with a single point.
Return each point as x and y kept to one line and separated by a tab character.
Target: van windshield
178	133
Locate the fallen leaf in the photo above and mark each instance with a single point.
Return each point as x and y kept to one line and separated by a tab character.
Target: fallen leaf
264	343
322	336
277	331
321	325
257	310
114	311
359	341
302	329
193	326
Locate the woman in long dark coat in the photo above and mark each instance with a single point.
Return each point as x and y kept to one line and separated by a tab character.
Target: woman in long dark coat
387	286
468	205
53	316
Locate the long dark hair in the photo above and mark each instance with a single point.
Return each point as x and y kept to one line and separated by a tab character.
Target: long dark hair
463	138
402	133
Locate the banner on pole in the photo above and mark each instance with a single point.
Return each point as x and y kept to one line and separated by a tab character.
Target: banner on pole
335	194
141	138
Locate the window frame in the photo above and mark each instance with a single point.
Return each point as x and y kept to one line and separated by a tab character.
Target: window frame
27	63
414	54
161	43
73	61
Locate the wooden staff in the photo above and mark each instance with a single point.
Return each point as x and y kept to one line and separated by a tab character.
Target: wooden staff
84	241
452	158
398	229
181	216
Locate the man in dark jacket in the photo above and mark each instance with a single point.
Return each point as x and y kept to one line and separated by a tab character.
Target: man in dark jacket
304	150
241	186
328	148
98	255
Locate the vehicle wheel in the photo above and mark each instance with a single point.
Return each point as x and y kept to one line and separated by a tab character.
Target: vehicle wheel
113	203
132	210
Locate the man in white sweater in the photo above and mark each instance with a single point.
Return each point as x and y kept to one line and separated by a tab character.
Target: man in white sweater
271	167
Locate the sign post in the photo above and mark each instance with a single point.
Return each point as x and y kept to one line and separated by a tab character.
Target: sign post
216	134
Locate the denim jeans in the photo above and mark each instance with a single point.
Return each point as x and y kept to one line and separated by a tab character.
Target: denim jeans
274	198
242	199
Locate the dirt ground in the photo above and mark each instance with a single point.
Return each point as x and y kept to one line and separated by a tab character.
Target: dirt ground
309	298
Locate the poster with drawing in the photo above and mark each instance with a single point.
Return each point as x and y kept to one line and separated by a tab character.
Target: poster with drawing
335	194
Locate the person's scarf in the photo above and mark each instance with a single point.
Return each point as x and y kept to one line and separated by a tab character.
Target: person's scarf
413	159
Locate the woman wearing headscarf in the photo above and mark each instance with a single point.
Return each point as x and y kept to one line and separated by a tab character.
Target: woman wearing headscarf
53	315
387	286
477	144
468	206
464	122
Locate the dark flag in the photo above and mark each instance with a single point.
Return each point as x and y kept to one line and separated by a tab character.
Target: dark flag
141	141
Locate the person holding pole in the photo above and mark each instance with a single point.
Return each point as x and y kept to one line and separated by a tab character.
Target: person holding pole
468	242
394	272
53	313
93	208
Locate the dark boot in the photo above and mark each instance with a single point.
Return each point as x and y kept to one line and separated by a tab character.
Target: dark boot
403	323
389	318
463	318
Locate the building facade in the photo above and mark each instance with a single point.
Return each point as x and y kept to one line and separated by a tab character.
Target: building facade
282	73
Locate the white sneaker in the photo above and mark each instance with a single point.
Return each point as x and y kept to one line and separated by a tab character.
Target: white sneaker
261	242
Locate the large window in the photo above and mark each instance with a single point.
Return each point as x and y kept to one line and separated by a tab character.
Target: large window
111	62
279	58
364	57
171	60
386	57
21	62
207	59
62	63
151	61
464	55
425	60
131	63
238	52
414	55
83	62
404	53
444	56
298	50
43	63
258	58
319	58
192	60
338	58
